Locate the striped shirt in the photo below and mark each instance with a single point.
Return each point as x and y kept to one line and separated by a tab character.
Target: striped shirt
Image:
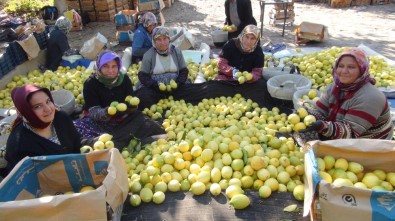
366	114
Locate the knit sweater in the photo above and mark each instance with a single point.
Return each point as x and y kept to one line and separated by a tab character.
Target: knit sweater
366	114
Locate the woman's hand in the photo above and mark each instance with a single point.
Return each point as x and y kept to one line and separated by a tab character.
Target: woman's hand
235	70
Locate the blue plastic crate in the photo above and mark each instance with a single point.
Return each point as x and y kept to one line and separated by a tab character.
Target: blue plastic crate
49	28
6	65
41	39
19	55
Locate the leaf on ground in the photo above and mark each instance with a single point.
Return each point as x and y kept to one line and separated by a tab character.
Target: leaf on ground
291	208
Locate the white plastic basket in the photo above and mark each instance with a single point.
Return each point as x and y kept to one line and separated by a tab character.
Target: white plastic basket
269	72
219	36
64	99
284	86
300	93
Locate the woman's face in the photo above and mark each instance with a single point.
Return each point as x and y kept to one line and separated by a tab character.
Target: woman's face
42	106
110	69
249	41
150	27
348	70
162	43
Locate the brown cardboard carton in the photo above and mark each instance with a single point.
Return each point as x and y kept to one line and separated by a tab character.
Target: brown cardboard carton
324	201
52	175
148	5
311	32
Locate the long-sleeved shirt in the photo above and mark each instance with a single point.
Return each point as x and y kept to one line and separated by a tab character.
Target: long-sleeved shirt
364	113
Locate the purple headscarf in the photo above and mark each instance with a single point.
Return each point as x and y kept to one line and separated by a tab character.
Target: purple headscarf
102	59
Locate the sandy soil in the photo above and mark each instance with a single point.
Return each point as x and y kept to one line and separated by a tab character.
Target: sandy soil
373	26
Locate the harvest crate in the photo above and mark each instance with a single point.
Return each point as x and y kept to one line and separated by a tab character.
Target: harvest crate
360	2
380	2
340	3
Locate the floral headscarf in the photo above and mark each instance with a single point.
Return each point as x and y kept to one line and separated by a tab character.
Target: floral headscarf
363	64
102	59
339	91
63	24
249	29
156	33
20	97
148	19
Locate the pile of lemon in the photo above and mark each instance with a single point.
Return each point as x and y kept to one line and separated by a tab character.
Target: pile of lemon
225	145
342	172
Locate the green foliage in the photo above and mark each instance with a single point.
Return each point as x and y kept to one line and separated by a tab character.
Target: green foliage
29	8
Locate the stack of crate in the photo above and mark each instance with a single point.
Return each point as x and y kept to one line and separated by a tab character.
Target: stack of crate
360	2
154	6
168	3
277	13
100	10
380	2
125	23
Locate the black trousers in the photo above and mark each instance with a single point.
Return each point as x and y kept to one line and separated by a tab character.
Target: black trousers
135	125
191	93
256	91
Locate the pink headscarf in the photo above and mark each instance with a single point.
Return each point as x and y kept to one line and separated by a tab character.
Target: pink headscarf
363	64
20	97
339	91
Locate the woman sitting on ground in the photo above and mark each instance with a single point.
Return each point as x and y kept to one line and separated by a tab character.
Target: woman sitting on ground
142	40
352	107
106	85
162	64
242	54
40	128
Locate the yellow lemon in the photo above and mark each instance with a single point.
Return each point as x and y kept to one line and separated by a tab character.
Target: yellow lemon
239	201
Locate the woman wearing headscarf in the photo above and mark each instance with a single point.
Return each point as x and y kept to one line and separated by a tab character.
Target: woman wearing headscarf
352	107
238	14
106	85
40	128
242	54
142	40
57	43
161	64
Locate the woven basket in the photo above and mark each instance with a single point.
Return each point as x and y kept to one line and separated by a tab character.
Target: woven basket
284	86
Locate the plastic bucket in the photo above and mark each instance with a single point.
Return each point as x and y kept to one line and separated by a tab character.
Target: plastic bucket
64	99
284	86
219	37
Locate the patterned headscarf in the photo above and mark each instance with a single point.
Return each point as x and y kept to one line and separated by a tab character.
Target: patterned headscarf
102	59
63	24
20	97
156	33
249	29
339	91
363	64
148	19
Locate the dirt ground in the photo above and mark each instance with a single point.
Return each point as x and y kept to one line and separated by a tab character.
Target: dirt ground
373	25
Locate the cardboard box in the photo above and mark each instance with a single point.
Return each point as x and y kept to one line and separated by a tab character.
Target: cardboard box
341	3
280	14
149	5
380	2
360	2
33	177
311	31
125	17
324	201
